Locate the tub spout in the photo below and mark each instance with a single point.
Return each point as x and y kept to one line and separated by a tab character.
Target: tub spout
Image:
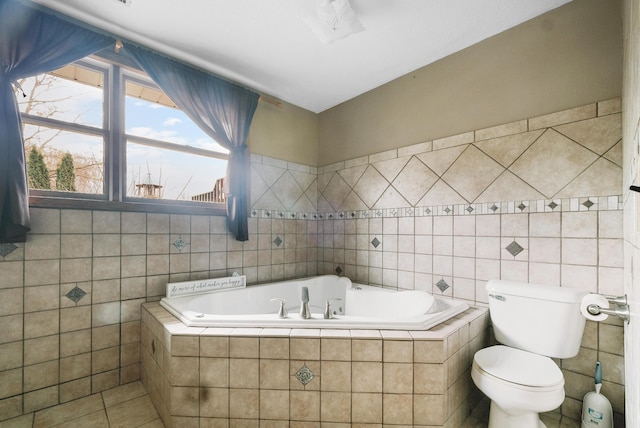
305	313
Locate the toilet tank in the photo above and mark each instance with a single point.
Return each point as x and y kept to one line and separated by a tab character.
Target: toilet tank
542	319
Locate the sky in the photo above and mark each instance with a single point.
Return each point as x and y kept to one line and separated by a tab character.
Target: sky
181	175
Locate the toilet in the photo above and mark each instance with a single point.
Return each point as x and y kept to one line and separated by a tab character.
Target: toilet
532	324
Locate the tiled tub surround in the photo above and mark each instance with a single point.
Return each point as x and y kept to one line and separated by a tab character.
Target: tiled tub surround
293	377
70	297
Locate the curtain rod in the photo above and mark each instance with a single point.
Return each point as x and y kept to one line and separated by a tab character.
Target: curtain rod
270	100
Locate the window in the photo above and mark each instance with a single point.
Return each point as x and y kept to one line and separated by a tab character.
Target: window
63	113
168	156
96	131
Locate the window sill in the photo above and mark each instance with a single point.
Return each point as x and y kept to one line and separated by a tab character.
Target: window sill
163	207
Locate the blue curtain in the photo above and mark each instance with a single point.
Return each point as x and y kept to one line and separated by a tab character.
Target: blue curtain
221	109
31	42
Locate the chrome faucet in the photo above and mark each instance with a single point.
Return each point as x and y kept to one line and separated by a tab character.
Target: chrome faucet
282	310
305	313
328	312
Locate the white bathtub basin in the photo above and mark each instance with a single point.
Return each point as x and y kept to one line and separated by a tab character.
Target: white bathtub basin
355	306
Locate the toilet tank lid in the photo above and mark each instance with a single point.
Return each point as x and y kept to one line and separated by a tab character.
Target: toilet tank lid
536	291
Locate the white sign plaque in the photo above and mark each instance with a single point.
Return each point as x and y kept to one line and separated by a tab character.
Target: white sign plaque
205	285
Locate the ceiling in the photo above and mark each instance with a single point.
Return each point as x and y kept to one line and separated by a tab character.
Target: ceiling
265	44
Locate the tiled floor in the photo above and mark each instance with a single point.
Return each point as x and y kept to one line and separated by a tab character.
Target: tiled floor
129	406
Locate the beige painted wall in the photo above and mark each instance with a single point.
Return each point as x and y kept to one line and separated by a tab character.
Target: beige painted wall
570	56
288	132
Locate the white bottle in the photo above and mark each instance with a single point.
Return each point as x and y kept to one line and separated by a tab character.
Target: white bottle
596	409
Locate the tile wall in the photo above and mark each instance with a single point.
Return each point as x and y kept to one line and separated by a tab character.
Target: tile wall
302	377
537	199
70	296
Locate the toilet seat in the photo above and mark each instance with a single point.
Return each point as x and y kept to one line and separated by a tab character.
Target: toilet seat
518	368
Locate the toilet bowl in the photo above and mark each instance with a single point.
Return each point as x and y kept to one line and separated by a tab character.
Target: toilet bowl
520	385
532	324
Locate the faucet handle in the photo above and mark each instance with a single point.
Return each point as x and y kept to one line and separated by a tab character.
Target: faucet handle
282	311
328	313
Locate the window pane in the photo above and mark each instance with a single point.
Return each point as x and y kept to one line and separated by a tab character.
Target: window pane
85	174
150	114
52	96
167	174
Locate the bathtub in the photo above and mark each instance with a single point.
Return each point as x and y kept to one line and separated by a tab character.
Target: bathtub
354	306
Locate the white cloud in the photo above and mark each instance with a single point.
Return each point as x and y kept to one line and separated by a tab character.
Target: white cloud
172	121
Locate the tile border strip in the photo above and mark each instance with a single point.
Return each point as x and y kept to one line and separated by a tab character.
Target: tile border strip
578	204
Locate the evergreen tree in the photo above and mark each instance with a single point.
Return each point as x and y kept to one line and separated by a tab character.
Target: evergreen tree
65	175
37	171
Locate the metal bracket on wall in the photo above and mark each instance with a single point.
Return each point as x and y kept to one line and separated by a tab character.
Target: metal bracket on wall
621	309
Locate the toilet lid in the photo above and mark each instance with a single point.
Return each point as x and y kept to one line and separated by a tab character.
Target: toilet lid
517	366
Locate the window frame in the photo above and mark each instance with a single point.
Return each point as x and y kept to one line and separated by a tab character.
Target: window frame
117	70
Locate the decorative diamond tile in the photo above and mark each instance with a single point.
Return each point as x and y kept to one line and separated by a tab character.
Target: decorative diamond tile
180	244
469	209
414	181
336	191
254	213
522	206
493	208
6	249
375	242
588	203
427	211
370	186
76	294
287	190
304	375
552	205
338	270
277	241
514	248
442	285
472	161
544	164
447	210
